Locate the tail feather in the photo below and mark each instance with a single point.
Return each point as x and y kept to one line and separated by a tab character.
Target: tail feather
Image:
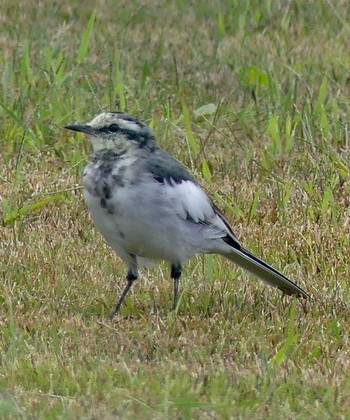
265	272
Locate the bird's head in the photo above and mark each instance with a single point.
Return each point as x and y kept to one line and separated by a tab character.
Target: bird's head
116	131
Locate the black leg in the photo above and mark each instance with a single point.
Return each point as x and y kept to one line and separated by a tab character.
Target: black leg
175	274
131	277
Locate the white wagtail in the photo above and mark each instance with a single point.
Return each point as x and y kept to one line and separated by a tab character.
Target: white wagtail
148	207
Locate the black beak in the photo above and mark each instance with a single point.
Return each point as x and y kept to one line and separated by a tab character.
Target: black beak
80	127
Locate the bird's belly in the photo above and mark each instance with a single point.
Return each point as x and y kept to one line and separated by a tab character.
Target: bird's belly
137	224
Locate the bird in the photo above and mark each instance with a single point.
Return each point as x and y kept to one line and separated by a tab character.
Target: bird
148	207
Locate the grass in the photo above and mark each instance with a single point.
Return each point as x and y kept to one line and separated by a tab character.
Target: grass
253	97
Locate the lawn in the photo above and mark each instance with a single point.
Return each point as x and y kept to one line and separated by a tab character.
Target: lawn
253	98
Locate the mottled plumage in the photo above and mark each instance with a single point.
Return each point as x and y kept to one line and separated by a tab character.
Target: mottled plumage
148	207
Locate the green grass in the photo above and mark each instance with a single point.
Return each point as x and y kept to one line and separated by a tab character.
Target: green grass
253	97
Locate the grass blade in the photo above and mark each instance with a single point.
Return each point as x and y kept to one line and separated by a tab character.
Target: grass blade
11	216
85	40
188	129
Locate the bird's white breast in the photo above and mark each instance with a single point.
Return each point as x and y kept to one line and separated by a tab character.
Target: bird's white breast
141	216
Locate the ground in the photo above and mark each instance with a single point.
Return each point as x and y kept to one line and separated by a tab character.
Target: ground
253	97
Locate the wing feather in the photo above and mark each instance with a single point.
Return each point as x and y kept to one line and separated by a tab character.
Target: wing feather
187	197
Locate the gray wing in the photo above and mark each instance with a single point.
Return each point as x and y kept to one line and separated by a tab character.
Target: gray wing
165	167
189	199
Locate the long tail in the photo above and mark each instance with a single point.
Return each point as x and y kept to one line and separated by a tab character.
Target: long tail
265	272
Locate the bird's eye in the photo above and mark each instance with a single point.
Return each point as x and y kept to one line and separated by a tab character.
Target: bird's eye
113	128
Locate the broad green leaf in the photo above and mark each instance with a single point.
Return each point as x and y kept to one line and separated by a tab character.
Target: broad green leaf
252	76
208	109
